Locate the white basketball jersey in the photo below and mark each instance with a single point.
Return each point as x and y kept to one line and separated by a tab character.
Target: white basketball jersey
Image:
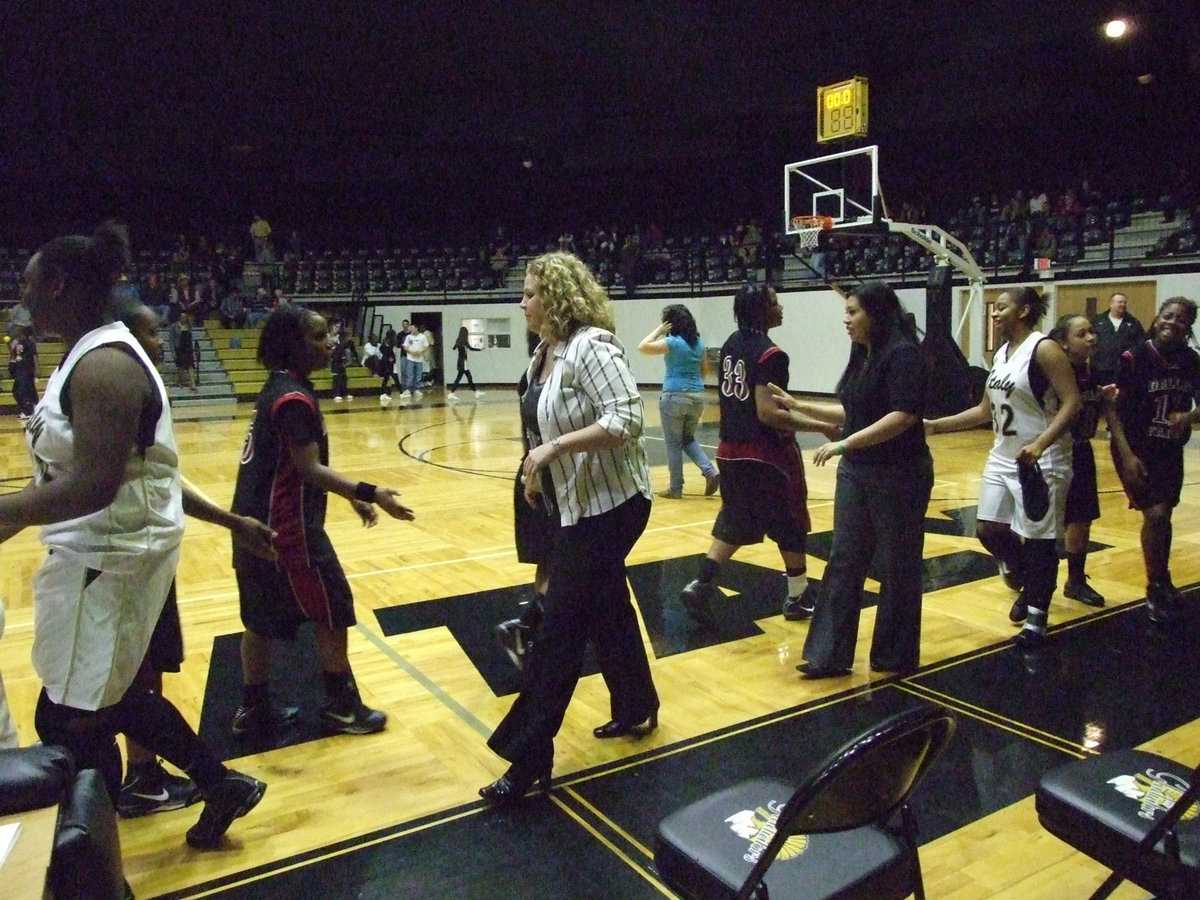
1020	411
147	513
99	593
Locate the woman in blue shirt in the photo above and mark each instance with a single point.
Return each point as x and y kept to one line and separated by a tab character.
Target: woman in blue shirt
682	401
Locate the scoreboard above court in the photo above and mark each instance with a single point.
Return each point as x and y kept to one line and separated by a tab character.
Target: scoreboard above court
842	110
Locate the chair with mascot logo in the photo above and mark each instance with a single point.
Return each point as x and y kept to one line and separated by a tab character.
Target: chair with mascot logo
1133	811
846	831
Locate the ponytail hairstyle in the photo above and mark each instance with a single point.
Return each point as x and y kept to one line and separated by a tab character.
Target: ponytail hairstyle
683	324
1035	301
1062	327
88	266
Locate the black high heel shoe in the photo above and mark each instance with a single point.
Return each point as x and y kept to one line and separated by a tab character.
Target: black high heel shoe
615	729
513	785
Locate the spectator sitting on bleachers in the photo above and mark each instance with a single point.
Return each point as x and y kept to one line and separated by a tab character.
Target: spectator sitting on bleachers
1017	208
1046	246
155	296
260	308
233	309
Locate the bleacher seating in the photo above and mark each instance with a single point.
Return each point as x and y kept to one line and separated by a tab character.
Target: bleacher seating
237	350
1097	237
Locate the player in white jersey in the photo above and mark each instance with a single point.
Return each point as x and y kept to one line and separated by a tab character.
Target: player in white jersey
1030	399
107	493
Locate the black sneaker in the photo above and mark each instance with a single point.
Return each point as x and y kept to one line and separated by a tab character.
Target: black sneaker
712	484
230	798
150	789
1083	592
1161	598
514	637
349	715
1019	611
263	717
698	598
797	609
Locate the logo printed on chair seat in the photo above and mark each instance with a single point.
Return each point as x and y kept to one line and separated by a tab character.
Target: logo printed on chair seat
758	827
1154	791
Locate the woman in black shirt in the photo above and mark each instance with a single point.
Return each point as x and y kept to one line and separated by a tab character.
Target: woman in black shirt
883	484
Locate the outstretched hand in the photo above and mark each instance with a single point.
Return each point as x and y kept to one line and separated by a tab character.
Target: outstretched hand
388	499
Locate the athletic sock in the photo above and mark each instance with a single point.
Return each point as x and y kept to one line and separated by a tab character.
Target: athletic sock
708	570
1036	620
1075	566
797	582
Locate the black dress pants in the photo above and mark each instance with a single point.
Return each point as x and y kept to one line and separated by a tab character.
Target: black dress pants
878	511
588	600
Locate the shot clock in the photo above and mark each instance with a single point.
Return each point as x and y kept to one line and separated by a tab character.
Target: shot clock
842	110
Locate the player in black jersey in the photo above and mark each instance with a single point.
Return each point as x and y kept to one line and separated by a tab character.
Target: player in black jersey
284	477
1158	389
763	491
1077	336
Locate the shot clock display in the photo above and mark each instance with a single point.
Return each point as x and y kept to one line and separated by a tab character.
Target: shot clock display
842	110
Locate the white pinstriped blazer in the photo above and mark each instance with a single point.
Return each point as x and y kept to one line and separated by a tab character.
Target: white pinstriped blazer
592	383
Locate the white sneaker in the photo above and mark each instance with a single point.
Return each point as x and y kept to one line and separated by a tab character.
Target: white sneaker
479	393
404	395
337	399
386	396
451	397
385	400
417	395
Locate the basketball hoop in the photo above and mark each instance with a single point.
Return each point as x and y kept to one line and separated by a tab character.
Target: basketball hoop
809	228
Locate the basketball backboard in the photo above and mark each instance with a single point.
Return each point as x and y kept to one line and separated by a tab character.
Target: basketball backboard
841	186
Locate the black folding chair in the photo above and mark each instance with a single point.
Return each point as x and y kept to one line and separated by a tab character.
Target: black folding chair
1133	811
845	832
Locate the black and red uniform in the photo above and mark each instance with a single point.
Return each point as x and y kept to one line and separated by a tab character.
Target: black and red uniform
751	491
1151	385
306	582
1083	502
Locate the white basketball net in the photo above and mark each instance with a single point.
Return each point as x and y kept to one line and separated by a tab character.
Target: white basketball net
808	232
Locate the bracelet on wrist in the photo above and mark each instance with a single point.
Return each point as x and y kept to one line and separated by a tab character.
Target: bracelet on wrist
557	445
365	491
841	448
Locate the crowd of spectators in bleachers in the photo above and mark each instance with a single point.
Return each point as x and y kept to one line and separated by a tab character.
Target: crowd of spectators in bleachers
1056	225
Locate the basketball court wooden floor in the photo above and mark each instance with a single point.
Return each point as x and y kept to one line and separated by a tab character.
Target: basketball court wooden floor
397	815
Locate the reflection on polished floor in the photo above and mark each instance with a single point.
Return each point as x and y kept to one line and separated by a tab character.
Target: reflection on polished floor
396	814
